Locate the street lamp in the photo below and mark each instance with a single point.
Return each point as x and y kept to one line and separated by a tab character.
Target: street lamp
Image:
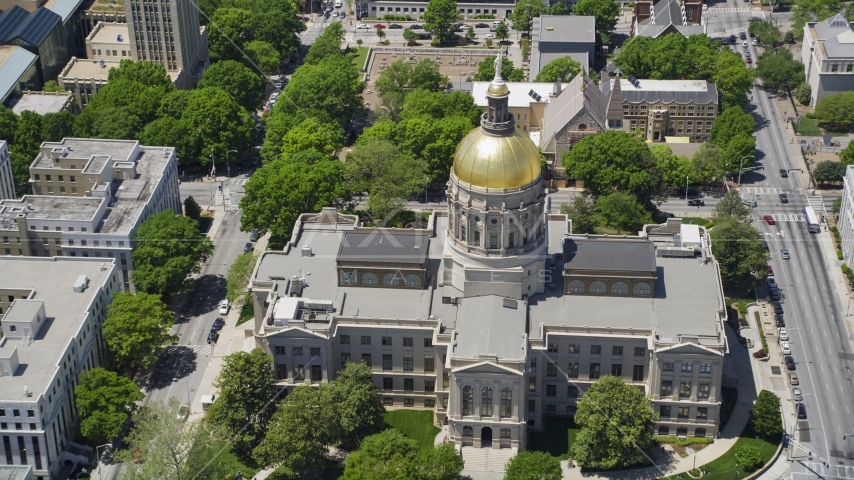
739	168
686	188
227	165
99	455
736	467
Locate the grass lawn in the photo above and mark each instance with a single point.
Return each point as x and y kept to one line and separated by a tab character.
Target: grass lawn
558	436
723	468
809	126
247	310
696	221
358	57
415	424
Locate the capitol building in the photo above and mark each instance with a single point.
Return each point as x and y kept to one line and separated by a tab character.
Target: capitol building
494	315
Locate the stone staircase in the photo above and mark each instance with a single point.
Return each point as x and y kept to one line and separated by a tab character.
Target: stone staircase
486	459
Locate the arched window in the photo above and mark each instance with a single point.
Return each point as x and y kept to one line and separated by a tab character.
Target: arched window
620	288
486	402
468	431
598	287
641	289
506	402
582	127
391	279
575	286
348	278
370	279
505	433
468	400
412	280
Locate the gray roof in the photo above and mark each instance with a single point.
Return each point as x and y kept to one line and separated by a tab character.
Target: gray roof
669	91
840	46
383	246
39	102
16	472
832	27
31	27
490	326
14	62
567	28
580	94
655	31
623	254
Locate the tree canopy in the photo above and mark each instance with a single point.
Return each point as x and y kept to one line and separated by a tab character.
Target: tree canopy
105	401
311	134
235	79
621	211
778	69
582	211
168	247
237	278
440	19
617	423
563	69
765	415
604	11
731	207
677	170
486	70
529	465
836	109
740	252
766	32
523	16
328	43
391	455
401	78
829	171
137	329
733	132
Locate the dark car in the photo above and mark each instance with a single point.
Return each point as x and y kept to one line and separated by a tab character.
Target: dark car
213	337
770	270
802	411
218	324
696	203
778	308
784	198
253	235
784	173
394	26
774	293
481	25
248	173
732	38
780	321
247	248
692	193
415	26
754	19
742	35
790	363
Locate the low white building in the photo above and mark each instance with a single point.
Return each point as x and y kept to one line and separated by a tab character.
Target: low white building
7	178
109	41
828	57
52	313
846	218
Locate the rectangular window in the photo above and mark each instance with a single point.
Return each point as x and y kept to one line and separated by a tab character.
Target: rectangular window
683	412
366	340
408	384
47	177
345	339
297	351
315	351
552	347
366	357
407	341
664	411
279	350
574	348
532	384
594	371
446	380
37	454
281	371
617	351
551	370
617	370
429	364
429	386
493	240
551	390
429	402
640	351
595	349
667	366
386	341
316	373
637	373
388	383
572	391
345	359
684	389
532	406
299	373
687	367
703	391
388	401
702	413
572	370
666	388
706	368
408	363
22	449
387	362
428	342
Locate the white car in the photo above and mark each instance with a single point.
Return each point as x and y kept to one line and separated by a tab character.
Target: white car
754	42
744	43
489	35
705	7
223	307
362	26
784	335
785	347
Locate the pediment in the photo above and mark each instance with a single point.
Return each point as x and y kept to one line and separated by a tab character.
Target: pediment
689	348
296	332
487	368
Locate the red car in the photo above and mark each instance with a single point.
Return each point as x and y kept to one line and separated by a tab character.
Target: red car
770	270
379	25
748	60
769	220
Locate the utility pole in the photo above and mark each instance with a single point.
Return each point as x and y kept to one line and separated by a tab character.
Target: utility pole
227	164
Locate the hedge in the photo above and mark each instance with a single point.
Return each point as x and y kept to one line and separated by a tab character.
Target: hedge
684	442
761	332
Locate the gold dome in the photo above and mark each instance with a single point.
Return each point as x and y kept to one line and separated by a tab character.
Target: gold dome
496	88
497	162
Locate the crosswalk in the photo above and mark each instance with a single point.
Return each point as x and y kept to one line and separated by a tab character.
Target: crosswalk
817	204
730	10
237	181
733	31
834	471
197	349
760	190
787	217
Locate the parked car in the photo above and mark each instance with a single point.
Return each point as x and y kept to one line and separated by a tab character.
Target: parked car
481	25
489	35
748	60
754	42
771	282
253	235
780	321
696	203
218	324
394	26
793	378
415	26
774	294
784	198
784	335
247	248
778	308
769	219
784	253
784	173
770	270
784	346
213	337
223	307
790	362
754	19
362	26
750	203
379	25
802	411
796	394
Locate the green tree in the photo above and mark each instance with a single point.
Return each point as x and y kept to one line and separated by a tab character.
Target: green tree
582	211
230	24
220	124
738	248
765	415
439	105
53	86
488	43
732	78
277	22
678	170
174	131
616	423
263	55
812	10
748	458
192	209
837	109
509	72
380	34
529	465
388	177
117	123
245	394
105	401
141	101
440	462
8	125
740	147
330	87
137	329
21	172
502	32
829	171
388	455
470	34
358	404
300	432
778	69
616	161
28	135
789	38
238	276
410	37
708	163
441	18
846	155
558	8
168	248
604	11
57	125
244	86
524	13
730	124
804	93
836	205
145	72
731	207
766	32
279	192
401	78
326	138
621	211
563	69
327	44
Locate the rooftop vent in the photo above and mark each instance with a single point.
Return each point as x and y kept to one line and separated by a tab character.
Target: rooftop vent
549	29
510	303
306	250
81	283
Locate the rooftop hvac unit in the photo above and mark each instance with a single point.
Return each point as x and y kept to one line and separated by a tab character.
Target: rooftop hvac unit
306	250
81	283
317	305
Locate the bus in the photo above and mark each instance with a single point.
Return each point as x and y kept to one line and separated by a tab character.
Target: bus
812	221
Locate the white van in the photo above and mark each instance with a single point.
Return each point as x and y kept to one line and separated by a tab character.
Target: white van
496	23
337	3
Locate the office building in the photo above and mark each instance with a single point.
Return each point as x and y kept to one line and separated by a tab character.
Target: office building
654	18
491	313
557	36
109	41
7	178
84	78
845	222
828	57
52	313
18	71
89	198
41	102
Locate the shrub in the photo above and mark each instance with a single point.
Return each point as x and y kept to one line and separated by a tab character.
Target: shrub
710	224
526	47
760	353
761	332
749	458
803	92
789	38
684	442
839	255
848	273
